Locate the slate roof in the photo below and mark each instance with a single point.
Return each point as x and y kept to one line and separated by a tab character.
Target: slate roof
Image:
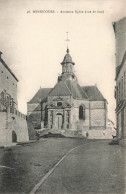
67	58
68	88
41	94
93	93
76	90
6	66
120	66
60	89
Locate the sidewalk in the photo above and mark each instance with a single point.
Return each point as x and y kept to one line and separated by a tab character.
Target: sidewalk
11	144
7	144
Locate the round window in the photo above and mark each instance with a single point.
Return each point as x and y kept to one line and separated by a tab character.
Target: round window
59	104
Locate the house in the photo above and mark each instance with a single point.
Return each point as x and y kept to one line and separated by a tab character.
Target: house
120	89
13	124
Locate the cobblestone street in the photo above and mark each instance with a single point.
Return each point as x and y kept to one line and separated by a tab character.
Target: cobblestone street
94	167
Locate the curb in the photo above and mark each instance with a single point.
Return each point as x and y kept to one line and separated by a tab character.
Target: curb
36	187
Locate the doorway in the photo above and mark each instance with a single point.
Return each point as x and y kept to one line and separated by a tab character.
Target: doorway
59	121
14	137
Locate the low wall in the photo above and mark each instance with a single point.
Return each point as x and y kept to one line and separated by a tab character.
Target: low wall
100	134
10	122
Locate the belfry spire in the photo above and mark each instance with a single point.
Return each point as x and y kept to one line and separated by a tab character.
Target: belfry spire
67	65
67	50
67	41
67	59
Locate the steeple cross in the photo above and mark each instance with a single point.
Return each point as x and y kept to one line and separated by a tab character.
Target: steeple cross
67	37
67	42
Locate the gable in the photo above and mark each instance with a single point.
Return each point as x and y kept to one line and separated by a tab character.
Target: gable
76	90
60	89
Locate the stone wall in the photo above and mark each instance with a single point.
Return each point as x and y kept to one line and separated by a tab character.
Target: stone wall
98	115
120	36
34	114
35	118
31	107
95	115
100	134
31	130
80	124
8	82
77	123
125	122
97	118
10	122
120	92
121	84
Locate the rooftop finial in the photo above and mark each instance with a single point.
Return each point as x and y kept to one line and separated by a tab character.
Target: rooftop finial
67	42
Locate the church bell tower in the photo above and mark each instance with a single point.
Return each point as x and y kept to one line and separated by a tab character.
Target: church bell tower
67	68
67	64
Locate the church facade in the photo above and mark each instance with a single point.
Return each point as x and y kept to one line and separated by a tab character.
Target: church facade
69	108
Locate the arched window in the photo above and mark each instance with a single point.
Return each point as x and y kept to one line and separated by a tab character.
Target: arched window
82	112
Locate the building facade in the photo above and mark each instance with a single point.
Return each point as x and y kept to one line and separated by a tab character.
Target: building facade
69	108
13	125
120	89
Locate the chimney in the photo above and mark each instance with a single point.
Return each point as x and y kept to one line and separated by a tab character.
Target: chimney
0	54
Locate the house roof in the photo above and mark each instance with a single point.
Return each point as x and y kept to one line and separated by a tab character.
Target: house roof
6	66
93	93
40	95
120	66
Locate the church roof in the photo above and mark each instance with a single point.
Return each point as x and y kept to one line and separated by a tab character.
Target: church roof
68	88
93	93
41	94
60	89
76	90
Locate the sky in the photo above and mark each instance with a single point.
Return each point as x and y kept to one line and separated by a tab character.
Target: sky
33	44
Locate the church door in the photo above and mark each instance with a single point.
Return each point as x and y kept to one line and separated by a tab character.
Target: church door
59	121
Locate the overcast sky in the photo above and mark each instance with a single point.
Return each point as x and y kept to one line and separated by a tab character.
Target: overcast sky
33	44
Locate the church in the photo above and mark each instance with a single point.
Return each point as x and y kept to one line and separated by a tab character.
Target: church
69	108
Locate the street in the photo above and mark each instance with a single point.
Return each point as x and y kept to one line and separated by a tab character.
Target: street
93	167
